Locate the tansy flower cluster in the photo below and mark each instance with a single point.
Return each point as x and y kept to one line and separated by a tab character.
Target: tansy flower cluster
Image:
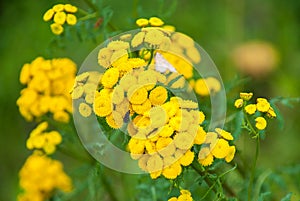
84	89
216	145
47	141
185	195
48	84
60	14
260	109
40	176
163	137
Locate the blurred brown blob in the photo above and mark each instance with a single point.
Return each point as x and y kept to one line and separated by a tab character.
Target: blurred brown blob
255	58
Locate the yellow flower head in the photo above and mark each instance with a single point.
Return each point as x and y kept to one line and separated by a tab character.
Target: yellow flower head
57	29
137	94
110	77
262	105
230	155
201	88
172	171
183	140
138	39
246	96
102	106
58	7
85	110
205	158
187	158
154	36
158	95
226	135
261	123
200	136
221	149
114	120
60	18
71	19
118	45
142	22
155	22
250	109
271	113
70	8
48	15
238	103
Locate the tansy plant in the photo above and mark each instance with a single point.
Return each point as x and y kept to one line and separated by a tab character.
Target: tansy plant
144	102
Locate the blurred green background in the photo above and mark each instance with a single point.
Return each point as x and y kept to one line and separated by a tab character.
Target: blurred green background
218	26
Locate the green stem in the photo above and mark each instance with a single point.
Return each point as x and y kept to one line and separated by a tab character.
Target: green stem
88	16
253	169
250	125
107	186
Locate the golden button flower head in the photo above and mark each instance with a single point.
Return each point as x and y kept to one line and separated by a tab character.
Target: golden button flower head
230	155
221	149
110	77
246	96
262	105
85	110
142	22
158	95
226	135
271	113
58	7
261	123
57	29
250	109
238	103
48	15
71	19
155	22
70	8
60	18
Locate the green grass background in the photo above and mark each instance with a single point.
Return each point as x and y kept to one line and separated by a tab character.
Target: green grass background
218	26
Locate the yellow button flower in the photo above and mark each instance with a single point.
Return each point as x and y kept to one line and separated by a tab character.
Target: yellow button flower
60	18
154	36
238	103
70	8
71	19
102	106
230	155
205	157
57	29
183	140
201	88
262	105
48	15
155	21
137	94
226	135
142	22
187	158
110	77
221	149
261	123
250	109
271	113
172	171
58	7
138	39
158	95
246	96
85	110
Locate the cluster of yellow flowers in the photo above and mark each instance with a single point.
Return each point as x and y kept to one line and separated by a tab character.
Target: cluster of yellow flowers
40	176
84	88
162	138
39	139
48	84
153	22
216	145
261	108
60	14
185	195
